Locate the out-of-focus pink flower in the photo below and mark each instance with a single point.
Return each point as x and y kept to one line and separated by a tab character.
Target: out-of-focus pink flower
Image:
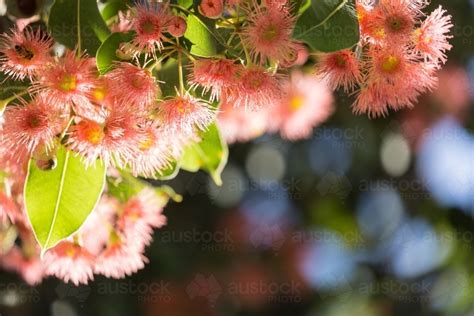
307	102
31	269
70	262
237	124
119	259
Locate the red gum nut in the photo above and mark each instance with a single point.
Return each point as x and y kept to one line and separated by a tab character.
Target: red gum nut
177	26
212	9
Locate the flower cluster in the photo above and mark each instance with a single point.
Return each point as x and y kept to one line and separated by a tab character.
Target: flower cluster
111	242
397	58
138	121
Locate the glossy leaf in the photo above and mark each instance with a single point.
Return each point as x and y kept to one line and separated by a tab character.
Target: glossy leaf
198	32
107	52
112	7
78	23
210	154
58	201
328	25
170	172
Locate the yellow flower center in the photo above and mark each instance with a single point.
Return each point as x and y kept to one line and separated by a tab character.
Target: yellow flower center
68	83
93	133
146	143
390	64
270	33
99	93
296	102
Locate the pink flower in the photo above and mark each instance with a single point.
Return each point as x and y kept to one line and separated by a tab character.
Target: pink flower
255	88
96	230
30	125
390	71
393	21
119	259
185	113
139	216
30	268
114	140
212	9
124	23
67	82
340	70
150	23
132	86
268	33
237	124
213	75
177	26
154	152
70	262
24	53
8	209
307	103
431	39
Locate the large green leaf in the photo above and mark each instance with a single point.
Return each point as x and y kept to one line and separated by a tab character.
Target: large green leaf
199	33
58	201
328	25
78	23
112	8
107	52
210	154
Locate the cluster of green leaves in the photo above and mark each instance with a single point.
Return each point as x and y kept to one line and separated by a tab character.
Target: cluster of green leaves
58	201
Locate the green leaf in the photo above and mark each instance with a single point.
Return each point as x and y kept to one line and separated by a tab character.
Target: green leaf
112	8
328	25
78	23
210	154
183	3
199	33
169	173
58	201
12	87
107	52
